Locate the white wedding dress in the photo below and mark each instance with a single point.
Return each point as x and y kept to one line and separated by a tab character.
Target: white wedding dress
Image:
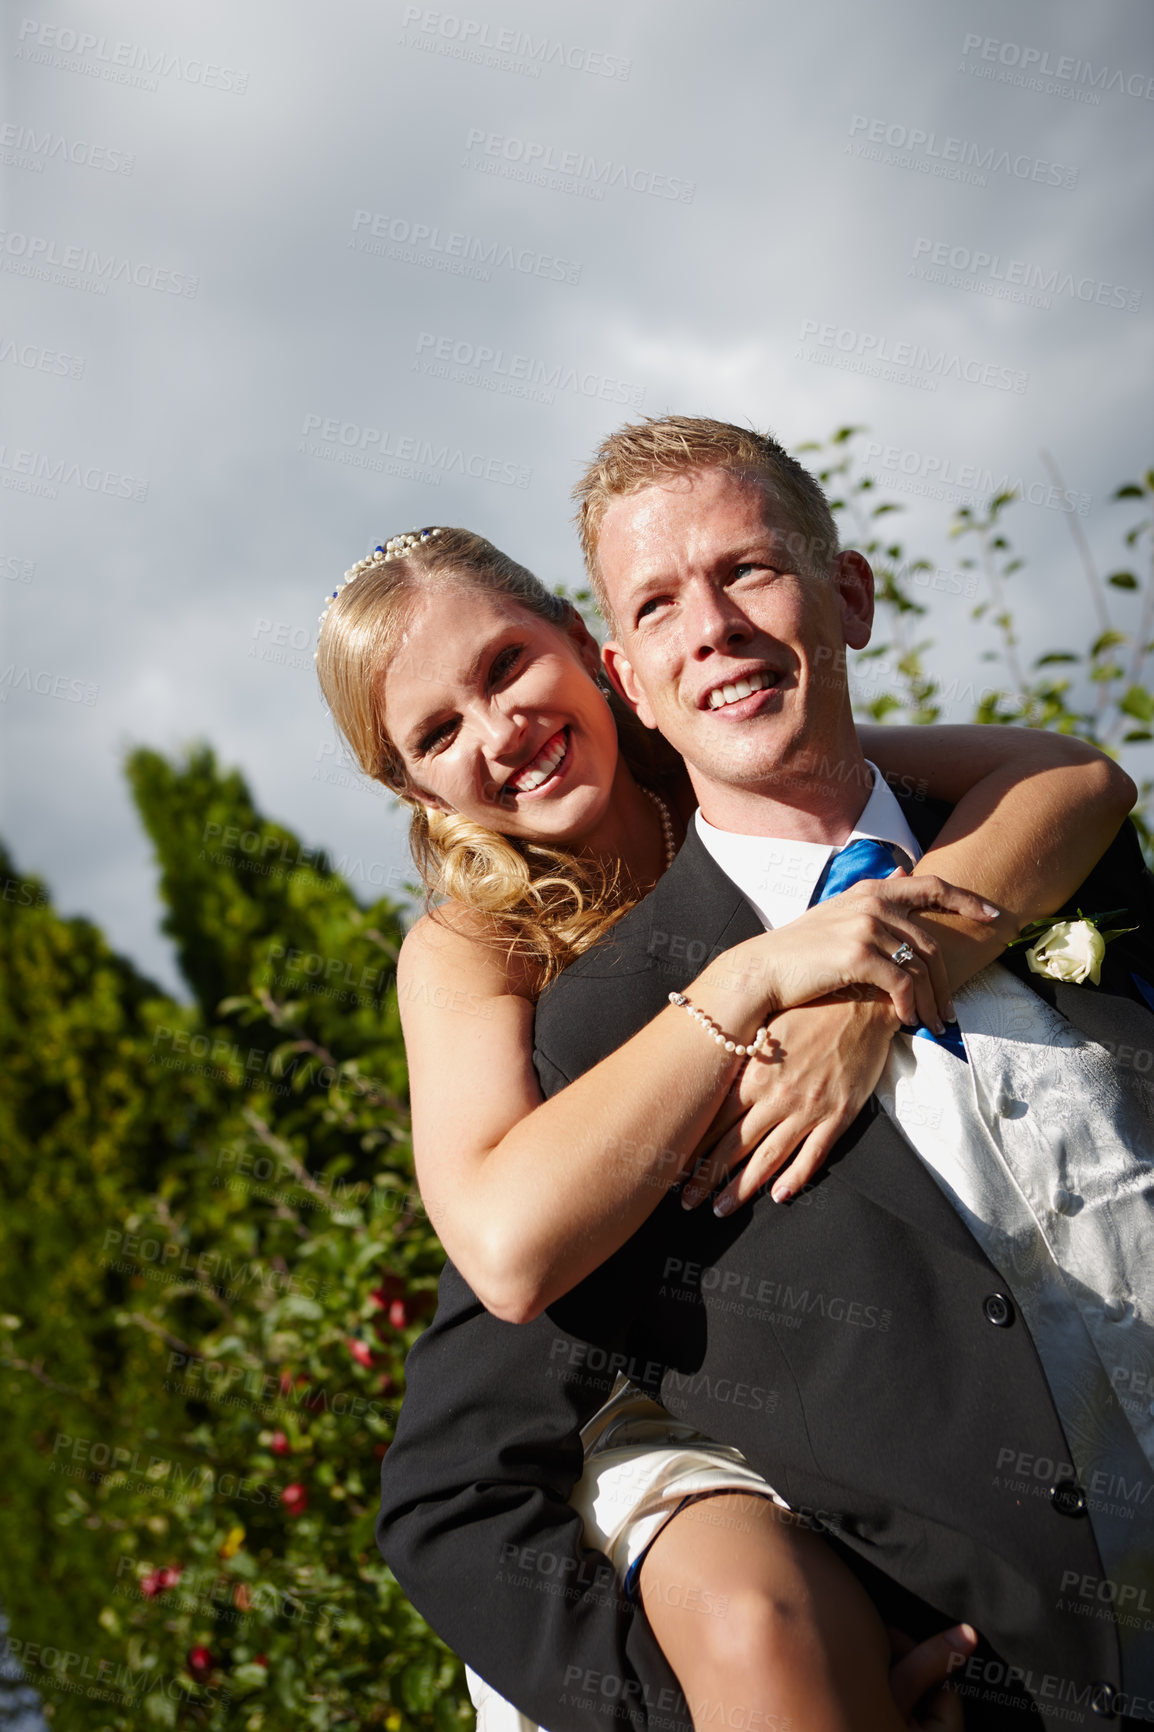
641	1465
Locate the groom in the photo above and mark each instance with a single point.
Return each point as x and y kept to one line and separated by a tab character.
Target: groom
958	1403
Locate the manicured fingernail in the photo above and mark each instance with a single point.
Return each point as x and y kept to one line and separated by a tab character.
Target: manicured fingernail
690	1199
723	1207
951	1013
781	1193
938	1025
990	912
965	1636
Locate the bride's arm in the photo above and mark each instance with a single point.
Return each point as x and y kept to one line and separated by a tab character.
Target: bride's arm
1034	813
530	1198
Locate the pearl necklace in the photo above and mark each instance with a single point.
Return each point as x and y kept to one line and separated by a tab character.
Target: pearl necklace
666	817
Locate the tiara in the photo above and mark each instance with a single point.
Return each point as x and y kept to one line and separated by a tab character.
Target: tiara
396	548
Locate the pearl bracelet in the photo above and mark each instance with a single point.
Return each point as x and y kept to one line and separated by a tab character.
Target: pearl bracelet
712	1029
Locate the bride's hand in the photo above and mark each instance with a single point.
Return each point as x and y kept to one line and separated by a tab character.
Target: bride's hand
834	965
798	1096
851	940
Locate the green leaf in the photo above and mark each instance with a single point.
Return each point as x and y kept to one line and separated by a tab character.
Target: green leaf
1139	703
1131	490
881	707
247	1678
417	1691
1123	580
1056	656
1106	640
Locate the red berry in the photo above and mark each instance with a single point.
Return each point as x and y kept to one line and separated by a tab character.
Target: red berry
280	1444
391	1287
361	1351
200	1662
159	1581
295	1499
260	1659
399	1314
381	1450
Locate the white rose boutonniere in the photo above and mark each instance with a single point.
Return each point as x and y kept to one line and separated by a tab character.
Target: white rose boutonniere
1070	950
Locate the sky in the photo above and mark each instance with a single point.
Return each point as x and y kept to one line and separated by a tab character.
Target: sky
282	280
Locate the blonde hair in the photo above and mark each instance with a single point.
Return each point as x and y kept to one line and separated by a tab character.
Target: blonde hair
546	904
654	450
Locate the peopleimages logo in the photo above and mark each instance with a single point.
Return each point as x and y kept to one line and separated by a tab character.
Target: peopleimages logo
871	352
69	50
571	171
38	473
935	476
50	260
488	367
1034	64
24	147
969	267
361	447
901	146
417	243
505	49
38	359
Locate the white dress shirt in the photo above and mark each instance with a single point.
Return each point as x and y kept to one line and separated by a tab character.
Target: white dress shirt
1046	1149
780	877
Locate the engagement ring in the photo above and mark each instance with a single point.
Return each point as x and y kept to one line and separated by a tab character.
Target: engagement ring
903	954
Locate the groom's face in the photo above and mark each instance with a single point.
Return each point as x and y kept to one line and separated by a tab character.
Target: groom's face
720	642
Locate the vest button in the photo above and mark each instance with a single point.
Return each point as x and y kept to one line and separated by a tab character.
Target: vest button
999	1310
1104	1700
1068	1499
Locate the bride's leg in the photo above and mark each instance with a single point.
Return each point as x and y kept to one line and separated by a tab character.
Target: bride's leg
763	1623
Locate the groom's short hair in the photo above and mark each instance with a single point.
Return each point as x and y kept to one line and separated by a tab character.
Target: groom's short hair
657	449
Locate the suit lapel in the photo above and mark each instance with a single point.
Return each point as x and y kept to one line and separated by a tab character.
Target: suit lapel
696	904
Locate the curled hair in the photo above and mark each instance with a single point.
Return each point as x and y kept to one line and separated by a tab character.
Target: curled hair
545	904
646	453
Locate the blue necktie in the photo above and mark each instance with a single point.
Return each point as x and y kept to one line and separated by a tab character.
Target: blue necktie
866	858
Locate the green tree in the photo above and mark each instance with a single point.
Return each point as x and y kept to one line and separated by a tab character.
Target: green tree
1104	693
213	1263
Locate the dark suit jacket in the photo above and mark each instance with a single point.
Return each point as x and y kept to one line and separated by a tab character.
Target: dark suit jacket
843	1343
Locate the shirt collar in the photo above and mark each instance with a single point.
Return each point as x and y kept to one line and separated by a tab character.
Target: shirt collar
779	876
